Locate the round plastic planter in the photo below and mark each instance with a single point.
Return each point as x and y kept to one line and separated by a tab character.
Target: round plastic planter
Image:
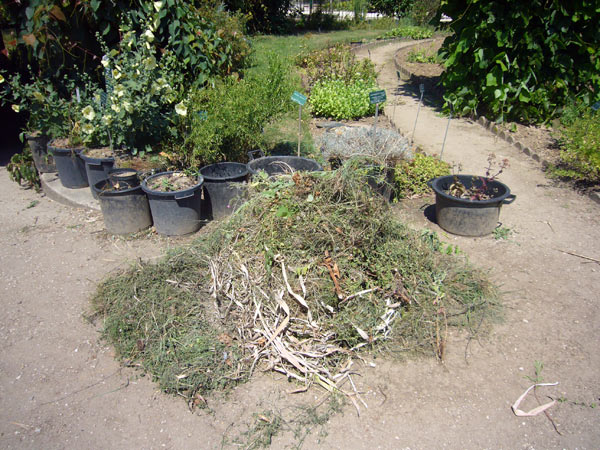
44	162
124	177
223	188
276	165
71	168
175	213
469	217
125	211
97	169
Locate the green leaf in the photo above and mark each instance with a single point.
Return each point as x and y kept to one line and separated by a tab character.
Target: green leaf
490	80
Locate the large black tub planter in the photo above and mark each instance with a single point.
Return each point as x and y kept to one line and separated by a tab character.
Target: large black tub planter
175	212
276	165
70	166
224	188
97	169
464	216
125	211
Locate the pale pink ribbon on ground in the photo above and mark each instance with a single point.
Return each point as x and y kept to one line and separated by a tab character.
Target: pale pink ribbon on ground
534	411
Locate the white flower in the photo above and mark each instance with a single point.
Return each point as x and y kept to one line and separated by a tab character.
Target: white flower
38	96
116	74
119	90
104	62
107	119
16	108
158	5
116	108
87	128
149	35
181	109
150	62
127	106
88	112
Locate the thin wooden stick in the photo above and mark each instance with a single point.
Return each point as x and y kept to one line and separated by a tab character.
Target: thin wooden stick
580	256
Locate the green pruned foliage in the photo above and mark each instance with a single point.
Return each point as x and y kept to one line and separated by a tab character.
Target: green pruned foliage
580	149
520	61
311	270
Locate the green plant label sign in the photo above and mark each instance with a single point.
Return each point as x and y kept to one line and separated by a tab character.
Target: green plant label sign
377	97
298	98
596	106
202	115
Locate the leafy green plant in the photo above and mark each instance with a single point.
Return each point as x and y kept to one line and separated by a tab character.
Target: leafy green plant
411	177
528	72
337	62
225	121
421	56
580	149
141	99
21	170
47	110
340	100
407	31
501	233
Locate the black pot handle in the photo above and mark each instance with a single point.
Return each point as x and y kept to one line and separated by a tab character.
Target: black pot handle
184	194
258	152
509	199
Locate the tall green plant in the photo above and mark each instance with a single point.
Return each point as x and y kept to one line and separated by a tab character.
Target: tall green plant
521	61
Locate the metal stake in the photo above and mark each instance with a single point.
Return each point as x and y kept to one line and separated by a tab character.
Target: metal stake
446	133
299	128
412	136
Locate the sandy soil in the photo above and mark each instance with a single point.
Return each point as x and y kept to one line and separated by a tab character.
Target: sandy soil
61	388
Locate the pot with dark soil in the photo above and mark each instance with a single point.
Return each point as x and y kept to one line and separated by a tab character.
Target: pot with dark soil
175	202
125	209
70	166
98	161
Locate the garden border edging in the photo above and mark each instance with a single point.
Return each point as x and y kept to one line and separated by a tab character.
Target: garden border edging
485	123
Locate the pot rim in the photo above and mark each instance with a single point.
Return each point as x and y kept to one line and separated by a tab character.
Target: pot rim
436	182
244	173
146	189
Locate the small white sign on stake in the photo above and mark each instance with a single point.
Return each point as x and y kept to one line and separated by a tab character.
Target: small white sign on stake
297	97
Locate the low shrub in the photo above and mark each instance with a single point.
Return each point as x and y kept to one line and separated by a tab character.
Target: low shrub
580	149
421	57
340	100
411	177
411	32
225	120
338	63
21	169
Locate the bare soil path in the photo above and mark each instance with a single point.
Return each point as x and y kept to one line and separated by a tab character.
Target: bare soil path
61	388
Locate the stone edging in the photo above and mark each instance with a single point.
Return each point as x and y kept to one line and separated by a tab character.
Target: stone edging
489	125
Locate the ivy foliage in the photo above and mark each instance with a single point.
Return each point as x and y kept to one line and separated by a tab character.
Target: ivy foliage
521	61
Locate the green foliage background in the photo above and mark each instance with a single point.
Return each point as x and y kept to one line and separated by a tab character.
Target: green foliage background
521	61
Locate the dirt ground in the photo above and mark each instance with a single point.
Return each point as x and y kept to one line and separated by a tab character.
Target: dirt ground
60	386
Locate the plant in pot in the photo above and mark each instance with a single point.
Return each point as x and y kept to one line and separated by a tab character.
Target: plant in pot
46	114
470	205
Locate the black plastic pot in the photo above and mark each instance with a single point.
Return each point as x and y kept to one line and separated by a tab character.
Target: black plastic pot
70	166
223	188
44	162
276	165
469	217
124	177
125	211
175	213
97	169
